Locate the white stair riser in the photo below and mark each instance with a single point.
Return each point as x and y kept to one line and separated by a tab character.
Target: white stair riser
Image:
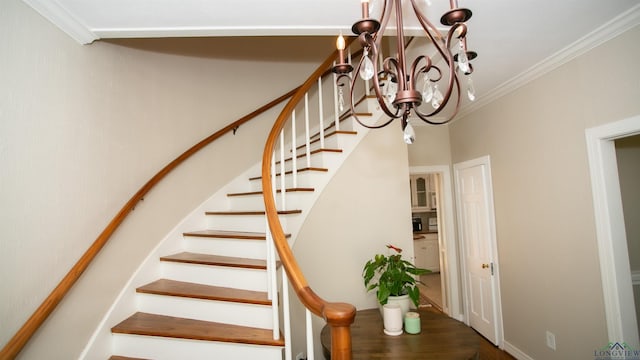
253	202
347	124
158	348
304	179
240	278
295	200
316	160
251	223
332	142
335	141
252	249
252	315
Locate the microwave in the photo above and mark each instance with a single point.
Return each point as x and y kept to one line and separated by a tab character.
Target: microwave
417	224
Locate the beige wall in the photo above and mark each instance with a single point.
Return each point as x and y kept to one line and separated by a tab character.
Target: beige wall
364	207
431	147
82	128
550	277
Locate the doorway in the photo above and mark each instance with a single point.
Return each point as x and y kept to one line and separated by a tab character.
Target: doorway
611	234
446	240
628	159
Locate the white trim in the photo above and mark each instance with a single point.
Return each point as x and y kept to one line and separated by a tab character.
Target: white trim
515	352
208	31
63	19
610	229
604	33
482	161
452	286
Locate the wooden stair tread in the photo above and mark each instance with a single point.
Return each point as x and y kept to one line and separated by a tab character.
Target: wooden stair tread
278	191
291	172
174	327
117	357
216	260
225	234
206	292
252	212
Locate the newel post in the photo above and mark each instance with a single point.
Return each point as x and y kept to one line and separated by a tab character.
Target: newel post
339	317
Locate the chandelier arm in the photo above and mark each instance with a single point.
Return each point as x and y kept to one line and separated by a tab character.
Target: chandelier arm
384	20
402	69
416	62
390	70
439	74
425	117
438	38
445	53
453	30
355	115
415	70
426	24
386	67
453	76
351	99
376	82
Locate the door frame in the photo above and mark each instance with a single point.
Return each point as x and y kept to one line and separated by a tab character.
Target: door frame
486	161
611	236
449	265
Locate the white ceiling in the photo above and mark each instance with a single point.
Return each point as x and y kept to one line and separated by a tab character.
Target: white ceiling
516	39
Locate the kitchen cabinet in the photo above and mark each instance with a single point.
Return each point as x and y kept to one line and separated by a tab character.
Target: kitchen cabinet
423	192
427	252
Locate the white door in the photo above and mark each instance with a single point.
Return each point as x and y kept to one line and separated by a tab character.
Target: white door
478	244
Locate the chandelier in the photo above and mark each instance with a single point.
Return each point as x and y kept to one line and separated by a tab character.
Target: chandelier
425	88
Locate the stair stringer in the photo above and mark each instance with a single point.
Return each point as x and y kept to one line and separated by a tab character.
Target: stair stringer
126	303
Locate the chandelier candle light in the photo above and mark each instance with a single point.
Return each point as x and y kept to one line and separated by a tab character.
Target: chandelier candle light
396	85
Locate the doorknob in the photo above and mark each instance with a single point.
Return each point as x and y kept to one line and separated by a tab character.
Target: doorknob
484	266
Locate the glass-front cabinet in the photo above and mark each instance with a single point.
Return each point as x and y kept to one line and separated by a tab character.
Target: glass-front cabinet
422	192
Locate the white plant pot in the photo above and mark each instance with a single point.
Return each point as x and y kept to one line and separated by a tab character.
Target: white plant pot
392	319
403	301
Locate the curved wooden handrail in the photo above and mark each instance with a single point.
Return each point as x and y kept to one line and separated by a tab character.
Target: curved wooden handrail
22	336
339	316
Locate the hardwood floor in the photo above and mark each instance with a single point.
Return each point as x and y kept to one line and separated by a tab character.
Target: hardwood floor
490	352
441	338
429	297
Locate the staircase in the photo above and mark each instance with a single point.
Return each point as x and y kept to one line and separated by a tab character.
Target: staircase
205	291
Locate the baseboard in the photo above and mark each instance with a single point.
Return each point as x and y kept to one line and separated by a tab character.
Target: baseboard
515	352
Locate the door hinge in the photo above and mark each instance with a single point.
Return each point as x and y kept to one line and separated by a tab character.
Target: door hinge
491	269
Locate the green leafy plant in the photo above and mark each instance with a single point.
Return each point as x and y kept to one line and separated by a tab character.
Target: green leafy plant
392	276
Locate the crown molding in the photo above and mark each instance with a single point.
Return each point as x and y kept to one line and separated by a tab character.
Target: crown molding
606	32
63	19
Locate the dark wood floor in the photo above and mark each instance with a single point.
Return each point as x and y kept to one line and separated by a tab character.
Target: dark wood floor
441	337
488	351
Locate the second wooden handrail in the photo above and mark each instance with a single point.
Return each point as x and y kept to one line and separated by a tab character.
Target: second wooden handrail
339	316
22	336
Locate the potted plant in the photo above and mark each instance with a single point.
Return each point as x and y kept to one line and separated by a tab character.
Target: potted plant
392	277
